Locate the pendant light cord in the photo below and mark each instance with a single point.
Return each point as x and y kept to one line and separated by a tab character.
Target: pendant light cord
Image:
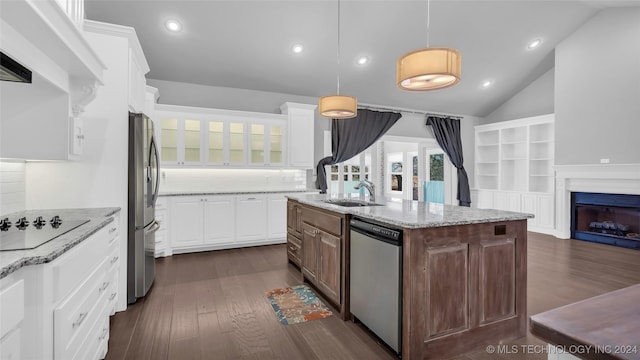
428	13
338	80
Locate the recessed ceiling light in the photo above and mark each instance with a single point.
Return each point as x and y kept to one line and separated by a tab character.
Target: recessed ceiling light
362	60
534	44
297	48
487	83
173	25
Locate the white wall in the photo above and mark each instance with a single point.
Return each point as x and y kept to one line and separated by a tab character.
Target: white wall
597	90
536	99
12	186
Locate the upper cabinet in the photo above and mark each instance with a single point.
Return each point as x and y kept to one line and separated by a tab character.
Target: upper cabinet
38	119
190	136
300	119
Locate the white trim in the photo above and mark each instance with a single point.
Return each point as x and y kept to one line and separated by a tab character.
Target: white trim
517	122
120	31
600	178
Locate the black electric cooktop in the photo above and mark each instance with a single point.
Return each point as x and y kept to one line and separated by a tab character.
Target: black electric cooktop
25	235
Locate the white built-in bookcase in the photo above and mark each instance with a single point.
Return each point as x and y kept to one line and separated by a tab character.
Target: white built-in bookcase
514	168
515	155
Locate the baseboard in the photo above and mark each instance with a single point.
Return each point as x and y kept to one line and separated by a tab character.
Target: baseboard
190	249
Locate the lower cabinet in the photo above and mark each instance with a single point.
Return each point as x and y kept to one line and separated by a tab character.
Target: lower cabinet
66	303
200	223
251	222
320	251
541	205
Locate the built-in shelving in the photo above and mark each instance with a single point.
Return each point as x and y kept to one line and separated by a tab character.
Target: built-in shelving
514	167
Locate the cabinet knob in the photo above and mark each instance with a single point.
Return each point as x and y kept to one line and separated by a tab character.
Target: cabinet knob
81	318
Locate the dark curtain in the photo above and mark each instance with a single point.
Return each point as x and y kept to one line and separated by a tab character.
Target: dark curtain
349	137
447	133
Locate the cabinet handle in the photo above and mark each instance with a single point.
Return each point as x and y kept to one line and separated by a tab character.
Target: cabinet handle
293	248
114	259
112	230
103	335
251	198
113	296
105	285
80	320
316	231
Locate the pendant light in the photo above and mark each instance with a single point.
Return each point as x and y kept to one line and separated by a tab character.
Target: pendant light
429	68
338	106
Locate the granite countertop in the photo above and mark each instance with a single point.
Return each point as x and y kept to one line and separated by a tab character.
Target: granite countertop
410	214
233	192
12	260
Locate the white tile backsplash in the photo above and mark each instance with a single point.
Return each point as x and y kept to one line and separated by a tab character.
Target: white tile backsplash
12	186
232	179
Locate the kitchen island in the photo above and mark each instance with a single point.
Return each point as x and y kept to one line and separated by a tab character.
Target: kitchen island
463	270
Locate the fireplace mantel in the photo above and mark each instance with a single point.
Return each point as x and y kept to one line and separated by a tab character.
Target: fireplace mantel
599	178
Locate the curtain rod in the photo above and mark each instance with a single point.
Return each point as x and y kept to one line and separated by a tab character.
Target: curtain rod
404	110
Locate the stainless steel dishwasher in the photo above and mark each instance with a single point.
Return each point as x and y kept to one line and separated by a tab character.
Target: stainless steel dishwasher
376	279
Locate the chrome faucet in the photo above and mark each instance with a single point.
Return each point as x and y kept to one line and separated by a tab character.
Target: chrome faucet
369	186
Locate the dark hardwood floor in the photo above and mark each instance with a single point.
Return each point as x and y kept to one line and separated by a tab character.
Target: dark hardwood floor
212	305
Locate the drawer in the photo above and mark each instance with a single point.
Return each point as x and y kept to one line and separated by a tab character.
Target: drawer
114	229
95	345
294	249
10	346
11	307
114	259
73	317
112	294
72	268
323	221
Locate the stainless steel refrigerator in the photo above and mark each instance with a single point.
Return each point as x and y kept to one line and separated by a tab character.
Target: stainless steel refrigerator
144	171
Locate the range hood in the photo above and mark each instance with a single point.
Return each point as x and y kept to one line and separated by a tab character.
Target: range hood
11	70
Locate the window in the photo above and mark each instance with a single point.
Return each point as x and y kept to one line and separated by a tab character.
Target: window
346	175
436	167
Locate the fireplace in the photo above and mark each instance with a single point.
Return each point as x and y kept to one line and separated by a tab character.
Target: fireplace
612	219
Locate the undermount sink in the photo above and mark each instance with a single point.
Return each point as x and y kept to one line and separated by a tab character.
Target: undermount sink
350	203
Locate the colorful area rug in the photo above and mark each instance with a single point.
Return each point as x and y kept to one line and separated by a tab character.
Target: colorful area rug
297	304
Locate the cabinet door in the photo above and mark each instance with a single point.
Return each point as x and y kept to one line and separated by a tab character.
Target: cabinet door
310	252
300	137
530	206
251	219
187	221
485	199
137	84
168	136
277	216
329	263
214	142
546	211
236	145
275	139
77	136
219	219
257	144
191	141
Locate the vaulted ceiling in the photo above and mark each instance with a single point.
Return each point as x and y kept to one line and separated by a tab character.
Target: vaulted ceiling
247	44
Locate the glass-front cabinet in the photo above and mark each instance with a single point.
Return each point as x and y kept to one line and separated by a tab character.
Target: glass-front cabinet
213	138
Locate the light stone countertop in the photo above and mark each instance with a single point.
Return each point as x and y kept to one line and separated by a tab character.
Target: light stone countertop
410	214
233	192
12	260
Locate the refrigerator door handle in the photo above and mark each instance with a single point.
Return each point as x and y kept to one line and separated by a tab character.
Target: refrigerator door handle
157	158
155	226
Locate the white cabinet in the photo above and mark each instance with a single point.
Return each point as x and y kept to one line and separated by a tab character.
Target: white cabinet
67	302
219	216
187	221
251	219
202	221
135	64
277	216
300	134
199	223
162	247
190	136
12	311
77	136
513	168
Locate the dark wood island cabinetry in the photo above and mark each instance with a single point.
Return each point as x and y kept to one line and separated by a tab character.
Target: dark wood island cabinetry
464	273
